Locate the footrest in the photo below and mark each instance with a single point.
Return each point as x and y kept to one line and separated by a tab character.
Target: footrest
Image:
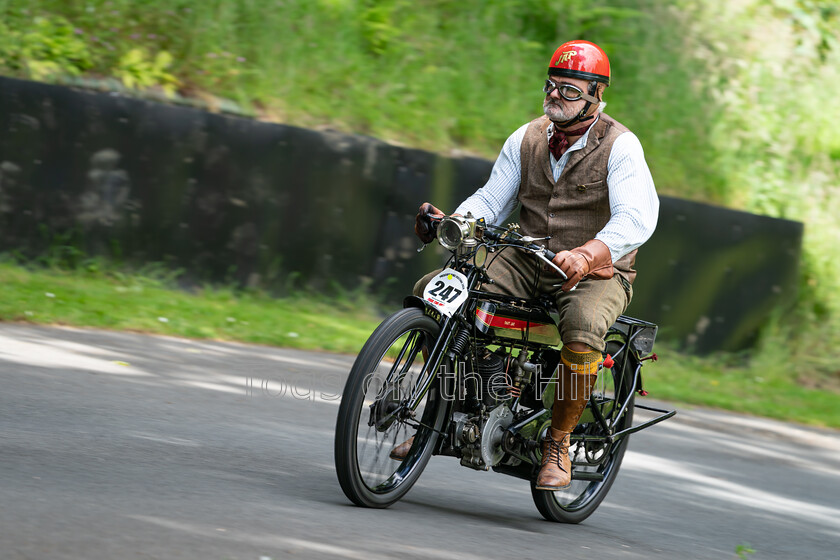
588	476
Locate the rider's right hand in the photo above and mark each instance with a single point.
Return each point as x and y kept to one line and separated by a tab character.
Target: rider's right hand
423	224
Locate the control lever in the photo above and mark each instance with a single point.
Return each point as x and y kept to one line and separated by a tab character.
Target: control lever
541	255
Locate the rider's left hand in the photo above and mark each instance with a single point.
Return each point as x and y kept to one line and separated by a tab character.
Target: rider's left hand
591	259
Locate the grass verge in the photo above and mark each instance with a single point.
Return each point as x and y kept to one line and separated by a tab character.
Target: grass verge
136	302
750	387
140	303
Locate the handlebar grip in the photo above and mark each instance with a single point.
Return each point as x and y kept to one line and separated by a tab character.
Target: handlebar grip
550	255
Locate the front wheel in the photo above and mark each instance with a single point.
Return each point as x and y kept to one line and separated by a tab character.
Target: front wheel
594	465
373	417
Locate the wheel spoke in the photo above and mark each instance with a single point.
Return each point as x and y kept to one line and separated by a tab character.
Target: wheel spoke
409	348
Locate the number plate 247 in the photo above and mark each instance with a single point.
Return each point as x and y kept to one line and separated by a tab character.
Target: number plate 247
447	291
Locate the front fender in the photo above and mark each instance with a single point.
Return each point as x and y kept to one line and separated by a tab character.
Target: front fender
420	303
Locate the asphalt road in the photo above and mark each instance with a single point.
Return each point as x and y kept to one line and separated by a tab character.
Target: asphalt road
118	445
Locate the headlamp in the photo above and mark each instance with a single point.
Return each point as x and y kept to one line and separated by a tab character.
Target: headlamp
457	231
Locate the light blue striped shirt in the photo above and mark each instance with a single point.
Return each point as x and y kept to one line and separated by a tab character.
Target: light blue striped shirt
633	202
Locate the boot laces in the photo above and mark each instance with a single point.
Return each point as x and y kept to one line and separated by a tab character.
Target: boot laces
555	449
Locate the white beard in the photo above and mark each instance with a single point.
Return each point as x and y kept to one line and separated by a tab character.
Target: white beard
556	111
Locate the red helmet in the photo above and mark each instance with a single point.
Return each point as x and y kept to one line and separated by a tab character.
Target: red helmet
580	59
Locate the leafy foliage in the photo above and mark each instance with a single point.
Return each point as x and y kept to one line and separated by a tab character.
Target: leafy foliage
138	70
742	551
48	47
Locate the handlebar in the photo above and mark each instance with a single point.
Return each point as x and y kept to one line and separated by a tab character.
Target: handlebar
539	251
530	246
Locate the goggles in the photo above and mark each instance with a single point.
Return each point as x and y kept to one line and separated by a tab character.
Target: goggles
567	91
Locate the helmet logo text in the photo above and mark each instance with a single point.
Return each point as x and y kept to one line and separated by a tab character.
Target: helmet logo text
565	57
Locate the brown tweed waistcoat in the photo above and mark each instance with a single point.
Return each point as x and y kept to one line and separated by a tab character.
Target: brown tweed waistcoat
575	208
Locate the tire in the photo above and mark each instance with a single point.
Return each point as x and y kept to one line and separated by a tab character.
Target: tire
367	429
582	498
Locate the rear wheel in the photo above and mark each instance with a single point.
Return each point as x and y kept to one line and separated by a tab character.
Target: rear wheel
595	464
373	418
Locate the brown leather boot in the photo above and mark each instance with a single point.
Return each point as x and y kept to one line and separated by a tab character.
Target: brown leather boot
573	392
401	451
556	468
571	398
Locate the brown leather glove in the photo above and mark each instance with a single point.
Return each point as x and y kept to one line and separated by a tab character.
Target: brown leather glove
591	259
423	225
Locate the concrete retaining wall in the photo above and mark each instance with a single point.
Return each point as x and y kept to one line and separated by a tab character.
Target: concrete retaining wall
231	199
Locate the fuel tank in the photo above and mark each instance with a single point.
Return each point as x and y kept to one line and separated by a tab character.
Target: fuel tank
511	322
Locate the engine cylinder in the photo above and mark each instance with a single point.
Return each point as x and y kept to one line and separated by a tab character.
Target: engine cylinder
494	384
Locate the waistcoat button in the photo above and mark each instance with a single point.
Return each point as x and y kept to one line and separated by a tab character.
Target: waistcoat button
581	188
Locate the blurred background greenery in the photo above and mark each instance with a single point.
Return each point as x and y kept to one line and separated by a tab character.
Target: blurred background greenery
735	102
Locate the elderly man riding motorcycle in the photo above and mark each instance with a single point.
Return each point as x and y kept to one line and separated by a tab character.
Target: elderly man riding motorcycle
584	186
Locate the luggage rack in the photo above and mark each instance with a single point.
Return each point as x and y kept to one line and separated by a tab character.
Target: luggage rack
640	337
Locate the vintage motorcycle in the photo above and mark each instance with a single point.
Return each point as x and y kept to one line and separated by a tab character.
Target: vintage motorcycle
468	373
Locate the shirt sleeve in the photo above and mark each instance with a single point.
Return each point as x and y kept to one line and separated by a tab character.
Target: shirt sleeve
634	204
498	197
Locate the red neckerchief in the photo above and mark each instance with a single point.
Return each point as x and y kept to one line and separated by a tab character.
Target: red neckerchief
559	142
